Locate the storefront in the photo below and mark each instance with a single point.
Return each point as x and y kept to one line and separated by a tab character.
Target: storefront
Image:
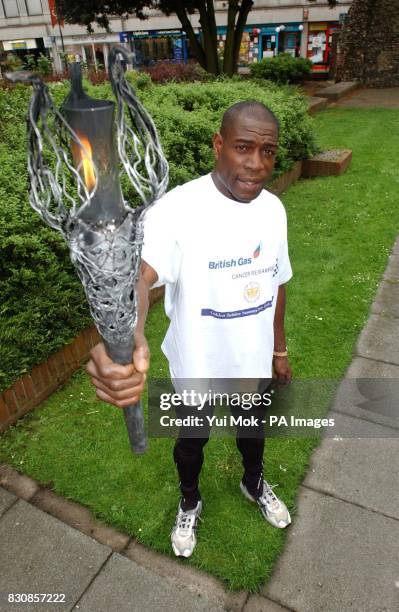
319	50
249	48
283	38
20	48
149	46
263	41
92	50
20	45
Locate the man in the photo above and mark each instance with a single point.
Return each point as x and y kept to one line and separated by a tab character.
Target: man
219	245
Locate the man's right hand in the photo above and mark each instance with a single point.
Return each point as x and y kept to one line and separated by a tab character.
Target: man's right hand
117	384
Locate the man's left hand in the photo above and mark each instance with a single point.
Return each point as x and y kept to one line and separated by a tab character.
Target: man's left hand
282	372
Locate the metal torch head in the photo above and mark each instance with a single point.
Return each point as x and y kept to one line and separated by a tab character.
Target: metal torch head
86	128
94	151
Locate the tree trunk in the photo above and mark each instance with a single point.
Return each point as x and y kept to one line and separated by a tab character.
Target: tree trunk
245	8
235	30
187	27
368	47
209	37
228	55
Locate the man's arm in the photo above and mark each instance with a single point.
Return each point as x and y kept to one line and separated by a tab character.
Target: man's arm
122	385
282	368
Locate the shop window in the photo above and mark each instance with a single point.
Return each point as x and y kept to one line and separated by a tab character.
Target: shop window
149	50
317	46
243	57
10	8
289	42
268	45
34	7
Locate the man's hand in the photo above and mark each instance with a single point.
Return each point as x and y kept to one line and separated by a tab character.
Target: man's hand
282	372
116	384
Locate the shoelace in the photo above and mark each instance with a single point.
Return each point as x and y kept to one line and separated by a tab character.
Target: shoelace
185	523
268	493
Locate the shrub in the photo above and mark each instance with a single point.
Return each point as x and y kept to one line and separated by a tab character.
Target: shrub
44	64
30	62
188	114
96	78
139	80
282	69
42	305
166	71
12	63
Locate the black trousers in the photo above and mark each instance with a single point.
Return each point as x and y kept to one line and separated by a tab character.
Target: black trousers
188	454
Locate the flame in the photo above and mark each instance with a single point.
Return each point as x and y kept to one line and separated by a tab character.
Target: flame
86	156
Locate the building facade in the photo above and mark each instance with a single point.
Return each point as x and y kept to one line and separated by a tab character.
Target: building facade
298	27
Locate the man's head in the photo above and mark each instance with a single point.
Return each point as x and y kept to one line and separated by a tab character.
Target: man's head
245	150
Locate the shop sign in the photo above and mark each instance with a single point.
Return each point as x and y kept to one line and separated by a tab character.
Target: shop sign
169	32
91	37
13	45
127	36
317	26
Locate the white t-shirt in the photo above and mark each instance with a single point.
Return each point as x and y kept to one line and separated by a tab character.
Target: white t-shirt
222	262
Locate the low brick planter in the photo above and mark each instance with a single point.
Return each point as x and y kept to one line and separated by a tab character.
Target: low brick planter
30	390
327	163
285	180
316	104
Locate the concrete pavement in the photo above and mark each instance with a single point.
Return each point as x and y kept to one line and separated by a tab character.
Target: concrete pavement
366	98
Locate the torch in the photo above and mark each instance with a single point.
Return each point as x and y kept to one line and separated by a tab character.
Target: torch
74	164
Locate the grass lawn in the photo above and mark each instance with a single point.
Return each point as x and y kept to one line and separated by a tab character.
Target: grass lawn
341	230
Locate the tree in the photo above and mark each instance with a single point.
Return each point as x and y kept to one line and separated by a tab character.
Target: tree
369	44
93	11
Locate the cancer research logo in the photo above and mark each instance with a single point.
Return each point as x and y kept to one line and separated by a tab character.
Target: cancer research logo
252	292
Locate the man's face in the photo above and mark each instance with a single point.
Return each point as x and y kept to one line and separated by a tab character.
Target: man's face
245	156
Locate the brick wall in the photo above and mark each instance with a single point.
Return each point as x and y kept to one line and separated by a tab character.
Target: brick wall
368	48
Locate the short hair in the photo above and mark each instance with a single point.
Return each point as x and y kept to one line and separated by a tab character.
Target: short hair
239	108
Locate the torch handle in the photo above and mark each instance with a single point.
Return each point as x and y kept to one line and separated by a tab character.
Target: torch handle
134	417
134	420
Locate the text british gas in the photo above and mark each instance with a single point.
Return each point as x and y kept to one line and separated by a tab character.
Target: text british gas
229	263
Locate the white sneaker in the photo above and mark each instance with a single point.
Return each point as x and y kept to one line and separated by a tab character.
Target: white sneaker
273	509
183	535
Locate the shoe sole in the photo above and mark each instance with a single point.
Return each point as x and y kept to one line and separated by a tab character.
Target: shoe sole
246	493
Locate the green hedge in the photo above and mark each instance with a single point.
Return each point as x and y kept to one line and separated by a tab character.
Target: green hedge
42	306
282	69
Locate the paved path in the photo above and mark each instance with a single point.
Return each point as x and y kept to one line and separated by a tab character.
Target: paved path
368	98
342	548
342	553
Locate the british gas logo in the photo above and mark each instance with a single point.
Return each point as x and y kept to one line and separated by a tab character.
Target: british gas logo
229	263
234	262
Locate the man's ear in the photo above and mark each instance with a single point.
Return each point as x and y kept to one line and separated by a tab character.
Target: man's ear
217	141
